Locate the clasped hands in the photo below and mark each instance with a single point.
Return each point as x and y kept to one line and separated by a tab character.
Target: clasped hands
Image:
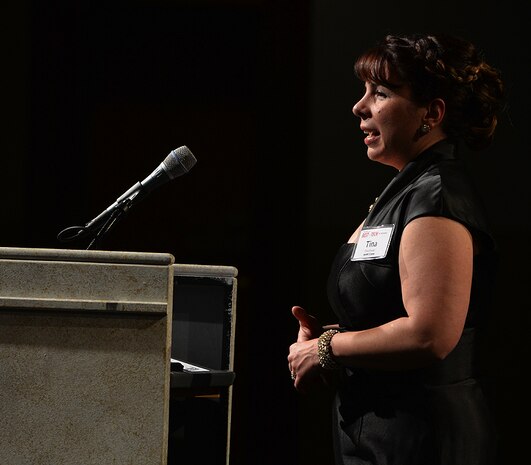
303	361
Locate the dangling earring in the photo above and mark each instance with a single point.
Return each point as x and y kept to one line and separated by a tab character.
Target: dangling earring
425	128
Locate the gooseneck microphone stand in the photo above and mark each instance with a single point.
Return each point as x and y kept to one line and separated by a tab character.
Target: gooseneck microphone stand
98	230
109	223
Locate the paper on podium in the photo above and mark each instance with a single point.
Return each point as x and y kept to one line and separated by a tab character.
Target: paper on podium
176	366
188	375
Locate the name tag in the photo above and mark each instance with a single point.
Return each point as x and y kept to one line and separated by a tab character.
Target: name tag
373	242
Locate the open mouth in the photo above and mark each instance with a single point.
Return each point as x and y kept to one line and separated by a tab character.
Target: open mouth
371	137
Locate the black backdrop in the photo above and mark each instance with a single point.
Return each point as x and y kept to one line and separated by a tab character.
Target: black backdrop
95	96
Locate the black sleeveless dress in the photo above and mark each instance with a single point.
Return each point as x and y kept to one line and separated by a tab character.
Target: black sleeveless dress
433	416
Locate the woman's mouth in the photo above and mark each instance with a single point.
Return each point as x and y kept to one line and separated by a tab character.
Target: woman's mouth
371	137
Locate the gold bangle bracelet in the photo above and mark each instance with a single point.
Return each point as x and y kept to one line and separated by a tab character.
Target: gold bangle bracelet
326	359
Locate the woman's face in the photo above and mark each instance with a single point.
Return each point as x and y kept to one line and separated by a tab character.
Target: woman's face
391	121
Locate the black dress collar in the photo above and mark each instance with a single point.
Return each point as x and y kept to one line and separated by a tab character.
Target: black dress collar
441	150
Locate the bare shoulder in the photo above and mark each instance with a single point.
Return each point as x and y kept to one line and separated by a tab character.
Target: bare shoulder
356	234
435	238
430	227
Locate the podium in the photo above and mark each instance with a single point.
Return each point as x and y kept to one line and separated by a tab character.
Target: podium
86	349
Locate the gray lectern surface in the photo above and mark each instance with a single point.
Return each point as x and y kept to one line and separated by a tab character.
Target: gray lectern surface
86	343
84	357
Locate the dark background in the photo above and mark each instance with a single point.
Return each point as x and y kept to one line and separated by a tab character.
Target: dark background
95	95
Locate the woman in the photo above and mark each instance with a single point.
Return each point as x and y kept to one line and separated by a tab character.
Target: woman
410	286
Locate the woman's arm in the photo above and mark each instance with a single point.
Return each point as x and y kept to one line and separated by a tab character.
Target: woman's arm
435	264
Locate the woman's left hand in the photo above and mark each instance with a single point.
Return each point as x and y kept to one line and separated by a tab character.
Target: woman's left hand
303	363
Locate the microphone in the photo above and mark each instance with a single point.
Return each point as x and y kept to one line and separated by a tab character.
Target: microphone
178	162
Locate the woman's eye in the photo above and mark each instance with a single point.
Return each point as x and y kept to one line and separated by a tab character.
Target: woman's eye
380	93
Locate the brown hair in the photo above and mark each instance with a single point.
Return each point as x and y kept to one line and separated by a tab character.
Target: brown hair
446	67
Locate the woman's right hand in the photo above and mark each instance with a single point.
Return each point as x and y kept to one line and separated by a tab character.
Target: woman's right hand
309	327
303	361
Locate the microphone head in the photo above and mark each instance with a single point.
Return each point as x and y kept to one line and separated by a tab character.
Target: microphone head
178	162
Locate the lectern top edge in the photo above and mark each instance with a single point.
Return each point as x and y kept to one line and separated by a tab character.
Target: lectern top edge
217	271
91	256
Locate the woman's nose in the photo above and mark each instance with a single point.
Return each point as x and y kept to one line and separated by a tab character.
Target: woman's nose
359	110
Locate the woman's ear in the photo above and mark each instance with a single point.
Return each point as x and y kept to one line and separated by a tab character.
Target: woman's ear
435	112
